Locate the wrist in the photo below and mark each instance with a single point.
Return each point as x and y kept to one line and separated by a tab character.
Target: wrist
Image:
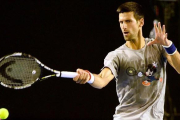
170	49
169	43
91	77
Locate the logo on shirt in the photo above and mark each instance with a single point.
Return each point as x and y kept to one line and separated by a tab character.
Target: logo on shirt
150	74
131	71
150	71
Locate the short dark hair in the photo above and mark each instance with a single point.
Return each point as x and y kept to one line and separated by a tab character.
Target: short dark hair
132	7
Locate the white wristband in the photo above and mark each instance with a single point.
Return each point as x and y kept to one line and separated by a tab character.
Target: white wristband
92	78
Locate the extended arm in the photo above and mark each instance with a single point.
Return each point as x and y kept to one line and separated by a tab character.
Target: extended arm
100	80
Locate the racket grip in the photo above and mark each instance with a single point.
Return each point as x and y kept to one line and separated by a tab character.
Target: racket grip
66	74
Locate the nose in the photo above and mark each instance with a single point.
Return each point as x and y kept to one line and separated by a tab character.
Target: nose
123	26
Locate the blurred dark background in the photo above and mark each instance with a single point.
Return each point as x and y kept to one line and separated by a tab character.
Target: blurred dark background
66	35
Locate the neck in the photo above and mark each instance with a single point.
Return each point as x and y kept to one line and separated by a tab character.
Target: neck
136	43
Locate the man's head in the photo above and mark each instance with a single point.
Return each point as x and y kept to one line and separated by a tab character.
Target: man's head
131	18
132	7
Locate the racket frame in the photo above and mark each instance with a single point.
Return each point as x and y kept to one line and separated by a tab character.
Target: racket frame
64	74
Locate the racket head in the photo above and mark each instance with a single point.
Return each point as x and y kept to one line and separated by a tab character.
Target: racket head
19	70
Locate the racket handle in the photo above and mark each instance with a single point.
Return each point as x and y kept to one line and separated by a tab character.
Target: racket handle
66	74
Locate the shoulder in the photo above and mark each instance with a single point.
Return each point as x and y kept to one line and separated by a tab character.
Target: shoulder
154	45
122	47
117	50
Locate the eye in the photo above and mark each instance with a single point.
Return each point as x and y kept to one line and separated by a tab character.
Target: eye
120	22
128	21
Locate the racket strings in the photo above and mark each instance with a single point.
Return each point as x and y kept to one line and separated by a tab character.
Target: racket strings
18	71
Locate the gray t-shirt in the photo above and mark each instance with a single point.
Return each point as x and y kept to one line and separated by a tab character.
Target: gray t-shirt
140	81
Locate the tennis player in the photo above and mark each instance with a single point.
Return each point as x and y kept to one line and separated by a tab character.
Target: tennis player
138	67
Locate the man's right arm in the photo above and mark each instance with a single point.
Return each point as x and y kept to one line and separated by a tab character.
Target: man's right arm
100	80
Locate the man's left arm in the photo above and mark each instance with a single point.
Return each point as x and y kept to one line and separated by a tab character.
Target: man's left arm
174	60
172	54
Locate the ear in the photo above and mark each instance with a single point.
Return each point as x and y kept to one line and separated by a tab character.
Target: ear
141	22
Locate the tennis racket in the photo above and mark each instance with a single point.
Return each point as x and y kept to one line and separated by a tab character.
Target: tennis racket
20	70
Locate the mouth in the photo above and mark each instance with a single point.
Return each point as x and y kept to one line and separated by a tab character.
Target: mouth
126	33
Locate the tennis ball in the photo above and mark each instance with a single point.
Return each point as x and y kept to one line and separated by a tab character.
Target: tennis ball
4	113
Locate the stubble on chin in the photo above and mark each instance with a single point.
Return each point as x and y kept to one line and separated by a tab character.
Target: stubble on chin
127	39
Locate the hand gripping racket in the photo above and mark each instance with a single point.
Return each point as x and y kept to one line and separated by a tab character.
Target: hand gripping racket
20	70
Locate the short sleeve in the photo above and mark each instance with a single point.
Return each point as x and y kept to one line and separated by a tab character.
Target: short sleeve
112	62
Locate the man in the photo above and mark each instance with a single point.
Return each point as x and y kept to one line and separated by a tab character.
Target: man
138	67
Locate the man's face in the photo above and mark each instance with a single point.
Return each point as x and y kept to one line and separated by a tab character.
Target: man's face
129	25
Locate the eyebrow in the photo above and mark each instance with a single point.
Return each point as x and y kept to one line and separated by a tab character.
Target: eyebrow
125	20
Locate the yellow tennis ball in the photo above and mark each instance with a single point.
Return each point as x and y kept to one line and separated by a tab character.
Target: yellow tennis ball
4	113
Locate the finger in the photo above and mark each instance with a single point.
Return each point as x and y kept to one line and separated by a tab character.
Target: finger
76	78
151	43
155	28
159	27
83	82
78	81
81	77
164	29
79	70
165	36
85	79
